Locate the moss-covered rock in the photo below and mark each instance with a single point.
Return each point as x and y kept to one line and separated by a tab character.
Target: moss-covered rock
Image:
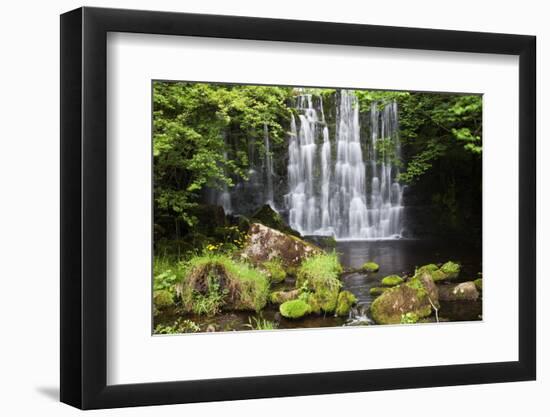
428	267
279	297
392	280
345	301
163	298
376	291
370	267
320	276
270	218
274	270
479	284
265	244
294	309
450	269
415	296
465	291
215	282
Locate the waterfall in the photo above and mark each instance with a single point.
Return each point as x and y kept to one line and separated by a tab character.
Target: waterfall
352	197
268	169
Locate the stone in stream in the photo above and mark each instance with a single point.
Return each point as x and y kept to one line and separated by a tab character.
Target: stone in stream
265	243
417	296
458	292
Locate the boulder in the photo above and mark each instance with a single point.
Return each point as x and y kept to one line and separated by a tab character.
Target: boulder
392	281
294	309
265	244
345	301
458	292
415	297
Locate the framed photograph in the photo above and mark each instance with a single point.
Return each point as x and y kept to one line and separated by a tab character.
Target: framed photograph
257	208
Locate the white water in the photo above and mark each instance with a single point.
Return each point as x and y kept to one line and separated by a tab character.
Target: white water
354	197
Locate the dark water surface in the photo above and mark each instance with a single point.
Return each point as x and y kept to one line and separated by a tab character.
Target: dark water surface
399	257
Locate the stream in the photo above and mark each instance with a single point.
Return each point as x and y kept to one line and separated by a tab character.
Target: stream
395	256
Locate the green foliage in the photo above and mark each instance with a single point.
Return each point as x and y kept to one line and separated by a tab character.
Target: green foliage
294	309
259	323
318	278
275	270
179	326
163	298
192	124
392	281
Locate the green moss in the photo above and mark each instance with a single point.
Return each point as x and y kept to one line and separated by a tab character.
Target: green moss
214	282
392	281
320	275
409	318
376	291
479	284
294	309
345	301
451	269
370	267
429	267
163	298
275	270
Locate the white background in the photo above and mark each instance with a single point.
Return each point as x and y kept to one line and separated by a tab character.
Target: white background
133	60
29	212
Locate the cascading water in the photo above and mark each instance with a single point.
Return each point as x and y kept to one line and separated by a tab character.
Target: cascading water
350	198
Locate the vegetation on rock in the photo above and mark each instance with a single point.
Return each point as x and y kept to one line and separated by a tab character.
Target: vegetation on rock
371	267
274	270
479	284
392	281
345	301
214	282
320	277
294	309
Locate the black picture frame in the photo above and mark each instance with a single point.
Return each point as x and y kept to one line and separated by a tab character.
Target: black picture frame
84	207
